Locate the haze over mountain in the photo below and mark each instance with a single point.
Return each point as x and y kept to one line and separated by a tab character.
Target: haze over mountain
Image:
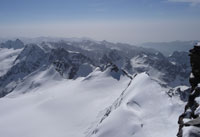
126	21
167	48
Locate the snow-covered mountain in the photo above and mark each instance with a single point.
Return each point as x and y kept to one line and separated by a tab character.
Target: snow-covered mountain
90	88
7	57
17	44
167	48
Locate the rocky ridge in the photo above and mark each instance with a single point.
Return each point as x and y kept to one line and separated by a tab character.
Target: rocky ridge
189	121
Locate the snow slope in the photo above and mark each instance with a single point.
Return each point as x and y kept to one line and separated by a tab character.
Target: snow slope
144	110
7	57
58	107
72	108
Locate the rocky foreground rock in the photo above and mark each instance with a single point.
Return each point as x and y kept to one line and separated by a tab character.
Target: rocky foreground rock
189	121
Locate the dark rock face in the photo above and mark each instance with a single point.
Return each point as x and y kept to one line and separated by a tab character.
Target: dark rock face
28	61
17	44
180	58
195	64
190	109
66	62
183	94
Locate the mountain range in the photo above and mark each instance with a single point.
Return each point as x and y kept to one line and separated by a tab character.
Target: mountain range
87	88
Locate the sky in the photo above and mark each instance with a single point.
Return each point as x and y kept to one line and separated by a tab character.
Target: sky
130	21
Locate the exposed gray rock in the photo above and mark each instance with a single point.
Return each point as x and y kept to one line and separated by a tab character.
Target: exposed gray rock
193	119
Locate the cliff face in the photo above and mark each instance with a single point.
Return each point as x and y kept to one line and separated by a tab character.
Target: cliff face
189	121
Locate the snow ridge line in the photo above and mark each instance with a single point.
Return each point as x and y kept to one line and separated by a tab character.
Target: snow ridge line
114	105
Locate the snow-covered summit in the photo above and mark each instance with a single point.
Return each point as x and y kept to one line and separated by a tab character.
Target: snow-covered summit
142	110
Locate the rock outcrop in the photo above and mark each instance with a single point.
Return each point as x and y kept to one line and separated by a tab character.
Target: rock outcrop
189	121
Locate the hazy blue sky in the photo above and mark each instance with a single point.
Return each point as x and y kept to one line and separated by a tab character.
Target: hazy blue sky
129	21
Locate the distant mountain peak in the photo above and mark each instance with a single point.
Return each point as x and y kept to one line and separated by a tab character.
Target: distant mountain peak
17	44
